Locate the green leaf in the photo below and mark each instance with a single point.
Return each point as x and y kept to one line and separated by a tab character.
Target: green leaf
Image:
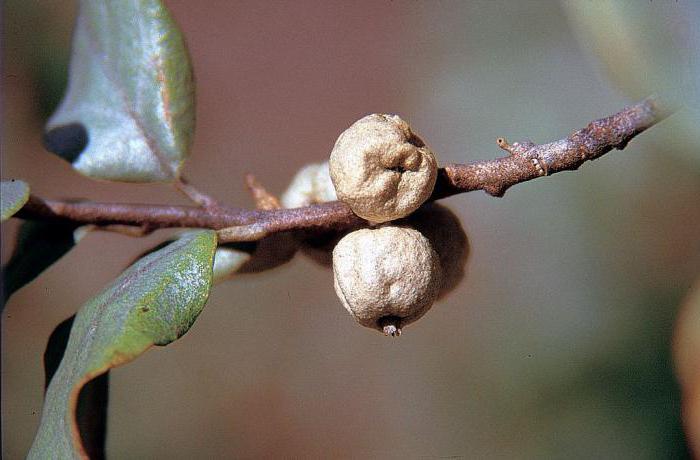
39	245
13	195
91	413
128	113
154	302
228	259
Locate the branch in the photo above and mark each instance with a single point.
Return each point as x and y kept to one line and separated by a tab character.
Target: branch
525	161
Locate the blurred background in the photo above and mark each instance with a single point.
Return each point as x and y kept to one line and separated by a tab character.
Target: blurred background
557	343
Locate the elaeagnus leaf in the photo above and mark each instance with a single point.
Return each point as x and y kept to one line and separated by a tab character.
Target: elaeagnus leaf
13	194
154	302
228	258
245	257
128	114
91	412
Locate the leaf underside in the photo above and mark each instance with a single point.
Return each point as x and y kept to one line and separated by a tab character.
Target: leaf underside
154	302
128	114
13	194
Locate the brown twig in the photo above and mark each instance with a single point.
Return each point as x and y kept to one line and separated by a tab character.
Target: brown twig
191	192
525	161
263	198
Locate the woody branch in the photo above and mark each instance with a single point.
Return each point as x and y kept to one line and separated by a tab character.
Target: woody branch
524	161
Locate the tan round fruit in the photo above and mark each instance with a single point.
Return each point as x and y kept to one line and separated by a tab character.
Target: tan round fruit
386	277
381	169
311	185
447	237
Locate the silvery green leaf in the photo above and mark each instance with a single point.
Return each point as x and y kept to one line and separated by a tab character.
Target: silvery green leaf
13	195
154	302
128	114
91	411
228	258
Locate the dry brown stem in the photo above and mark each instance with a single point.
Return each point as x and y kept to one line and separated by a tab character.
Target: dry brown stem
525	161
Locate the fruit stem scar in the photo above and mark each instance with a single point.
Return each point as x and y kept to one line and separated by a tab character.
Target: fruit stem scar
391	325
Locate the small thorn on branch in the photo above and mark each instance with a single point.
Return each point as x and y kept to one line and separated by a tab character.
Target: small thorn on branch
263	199
505	145
521	148
191	192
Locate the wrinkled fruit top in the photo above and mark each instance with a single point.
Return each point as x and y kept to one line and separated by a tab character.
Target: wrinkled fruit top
381	169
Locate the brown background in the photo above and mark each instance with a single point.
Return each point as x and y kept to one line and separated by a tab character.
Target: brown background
557	340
